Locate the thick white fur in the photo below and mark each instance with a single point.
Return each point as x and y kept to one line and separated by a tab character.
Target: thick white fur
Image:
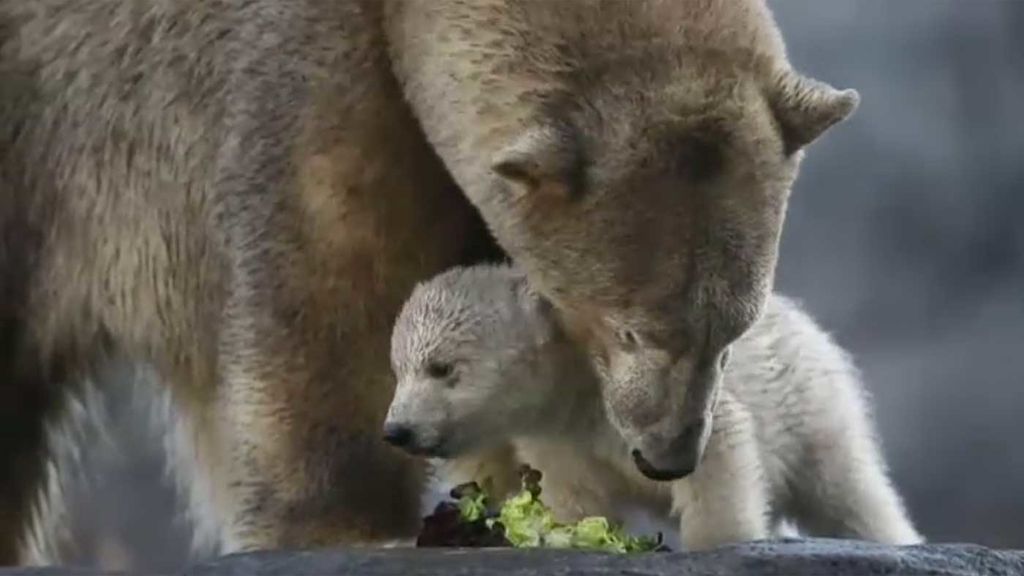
792	434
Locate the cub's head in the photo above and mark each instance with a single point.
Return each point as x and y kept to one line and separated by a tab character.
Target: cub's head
635	159
466	352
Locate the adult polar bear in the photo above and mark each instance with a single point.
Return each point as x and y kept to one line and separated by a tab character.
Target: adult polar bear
242	194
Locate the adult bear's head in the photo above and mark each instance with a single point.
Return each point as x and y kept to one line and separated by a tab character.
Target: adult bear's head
635	159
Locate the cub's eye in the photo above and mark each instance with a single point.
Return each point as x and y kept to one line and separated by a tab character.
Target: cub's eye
439	370
627	339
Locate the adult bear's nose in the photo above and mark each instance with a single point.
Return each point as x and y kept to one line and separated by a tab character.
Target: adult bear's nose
398	435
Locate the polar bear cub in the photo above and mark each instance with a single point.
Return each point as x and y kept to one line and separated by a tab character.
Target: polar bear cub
487	379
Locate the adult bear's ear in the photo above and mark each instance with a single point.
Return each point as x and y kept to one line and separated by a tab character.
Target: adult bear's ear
543	159
805	108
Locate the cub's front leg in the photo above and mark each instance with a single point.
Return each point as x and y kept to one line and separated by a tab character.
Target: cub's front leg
726	500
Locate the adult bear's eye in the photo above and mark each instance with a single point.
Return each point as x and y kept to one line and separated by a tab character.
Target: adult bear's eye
439	370
700	153
701	160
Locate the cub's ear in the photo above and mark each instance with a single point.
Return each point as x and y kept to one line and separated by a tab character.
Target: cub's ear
806	108
542	159
532	300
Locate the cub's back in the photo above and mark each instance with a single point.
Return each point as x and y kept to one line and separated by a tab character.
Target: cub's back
799	385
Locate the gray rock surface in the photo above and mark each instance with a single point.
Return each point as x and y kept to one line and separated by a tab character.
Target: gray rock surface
819	557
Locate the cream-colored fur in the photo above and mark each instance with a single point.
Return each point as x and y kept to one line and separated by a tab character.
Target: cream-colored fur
792	437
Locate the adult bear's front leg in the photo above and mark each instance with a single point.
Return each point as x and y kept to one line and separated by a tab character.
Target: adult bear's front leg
302	401
329	207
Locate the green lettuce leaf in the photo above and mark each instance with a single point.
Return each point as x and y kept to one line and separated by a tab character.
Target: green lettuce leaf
528	523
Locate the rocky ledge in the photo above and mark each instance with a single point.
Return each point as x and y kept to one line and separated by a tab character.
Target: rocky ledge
817	557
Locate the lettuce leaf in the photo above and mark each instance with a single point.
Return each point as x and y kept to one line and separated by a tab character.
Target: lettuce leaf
526	522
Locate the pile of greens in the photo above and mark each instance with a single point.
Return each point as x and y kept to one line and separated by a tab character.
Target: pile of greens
523	521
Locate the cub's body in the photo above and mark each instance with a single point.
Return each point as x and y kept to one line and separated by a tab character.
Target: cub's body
792	438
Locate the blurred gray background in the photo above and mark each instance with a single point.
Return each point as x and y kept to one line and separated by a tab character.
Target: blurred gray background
903	238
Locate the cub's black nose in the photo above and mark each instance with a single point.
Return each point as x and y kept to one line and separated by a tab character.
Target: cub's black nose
398	435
